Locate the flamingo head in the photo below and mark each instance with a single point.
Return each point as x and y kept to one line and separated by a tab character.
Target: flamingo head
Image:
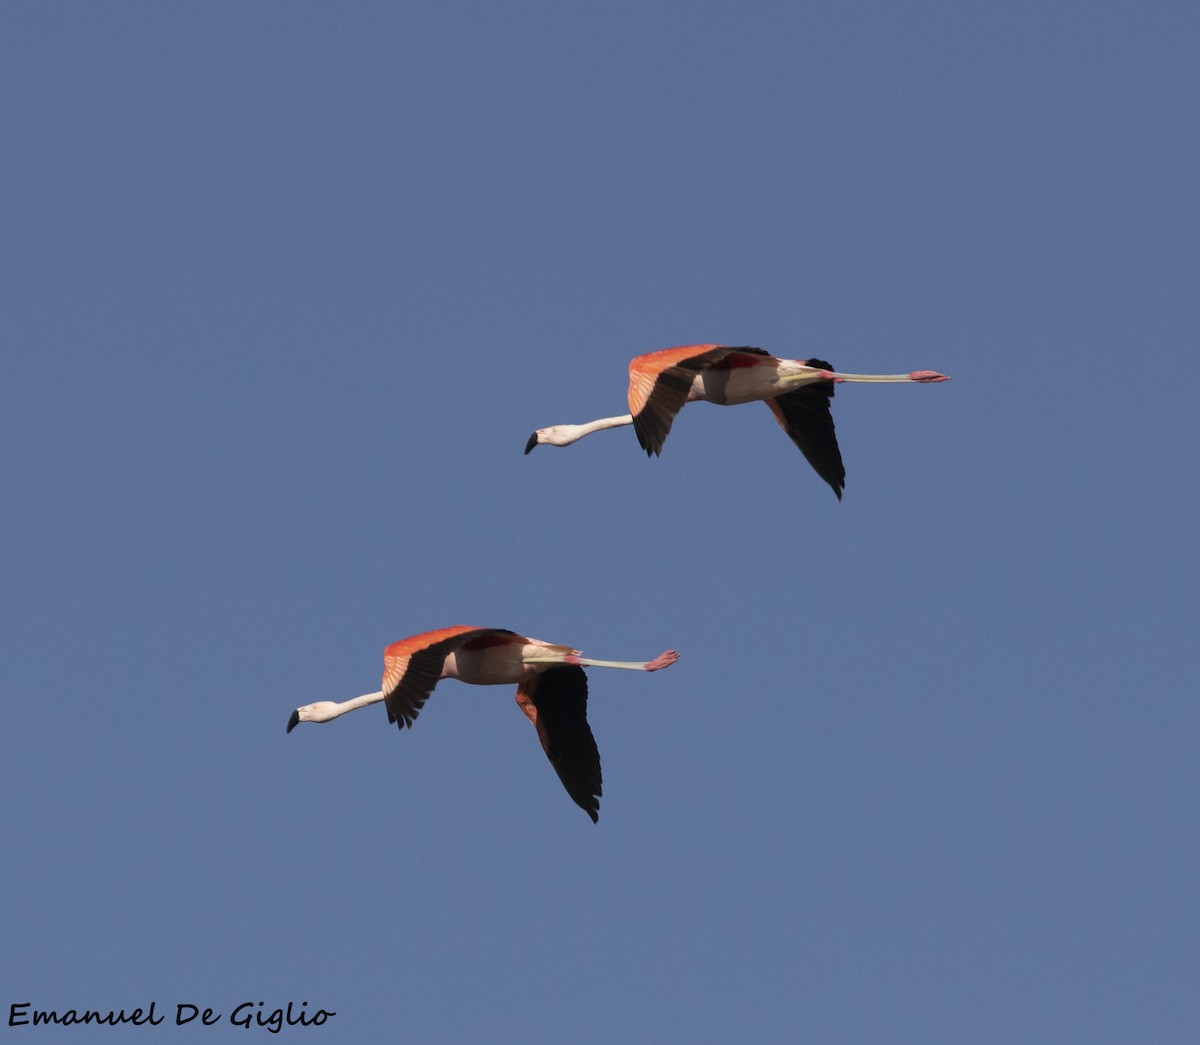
555	435
321	711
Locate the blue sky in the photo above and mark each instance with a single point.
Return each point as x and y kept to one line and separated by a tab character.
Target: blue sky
286	289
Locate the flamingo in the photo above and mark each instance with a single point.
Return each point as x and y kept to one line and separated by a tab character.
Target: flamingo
797	391
551	691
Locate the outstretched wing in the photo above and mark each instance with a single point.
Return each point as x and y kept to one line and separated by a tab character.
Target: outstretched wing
805	415
555	701
659	383
412	667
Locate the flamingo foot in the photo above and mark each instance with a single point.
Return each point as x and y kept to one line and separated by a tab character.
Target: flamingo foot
663	660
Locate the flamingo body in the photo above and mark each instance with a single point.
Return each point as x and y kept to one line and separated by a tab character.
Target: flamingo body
551	692
797	391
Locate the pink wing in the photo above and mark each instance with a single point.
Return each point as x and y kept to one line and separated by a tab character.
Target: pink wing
659	383
412	667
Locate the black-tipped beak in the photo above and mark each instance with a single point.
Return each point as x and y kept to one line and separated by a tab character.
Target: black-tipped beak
294	721
532	442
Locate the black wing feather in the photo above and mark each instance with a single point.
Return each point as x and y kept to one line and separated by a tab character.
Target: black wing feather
405	701
560	697
653	422
806	417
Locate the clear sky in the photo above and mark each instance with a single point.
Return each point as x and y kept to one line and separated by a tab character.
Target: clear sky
287	286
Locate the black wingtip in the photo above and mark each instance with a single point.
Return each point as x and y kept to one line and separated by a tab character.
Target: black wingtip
532	442
294	721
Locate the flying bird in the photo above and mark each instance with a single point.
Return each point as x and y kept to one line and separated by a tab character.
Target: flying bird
798	392
551	691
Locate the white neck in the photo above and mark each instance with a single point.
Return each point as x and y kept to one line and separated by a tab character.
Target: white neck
360	702
599	425
565	435
608	422
325	710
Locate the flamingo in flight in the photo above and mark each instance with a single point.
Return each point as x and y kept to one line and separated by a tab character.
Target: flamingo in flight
551	691
797	391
